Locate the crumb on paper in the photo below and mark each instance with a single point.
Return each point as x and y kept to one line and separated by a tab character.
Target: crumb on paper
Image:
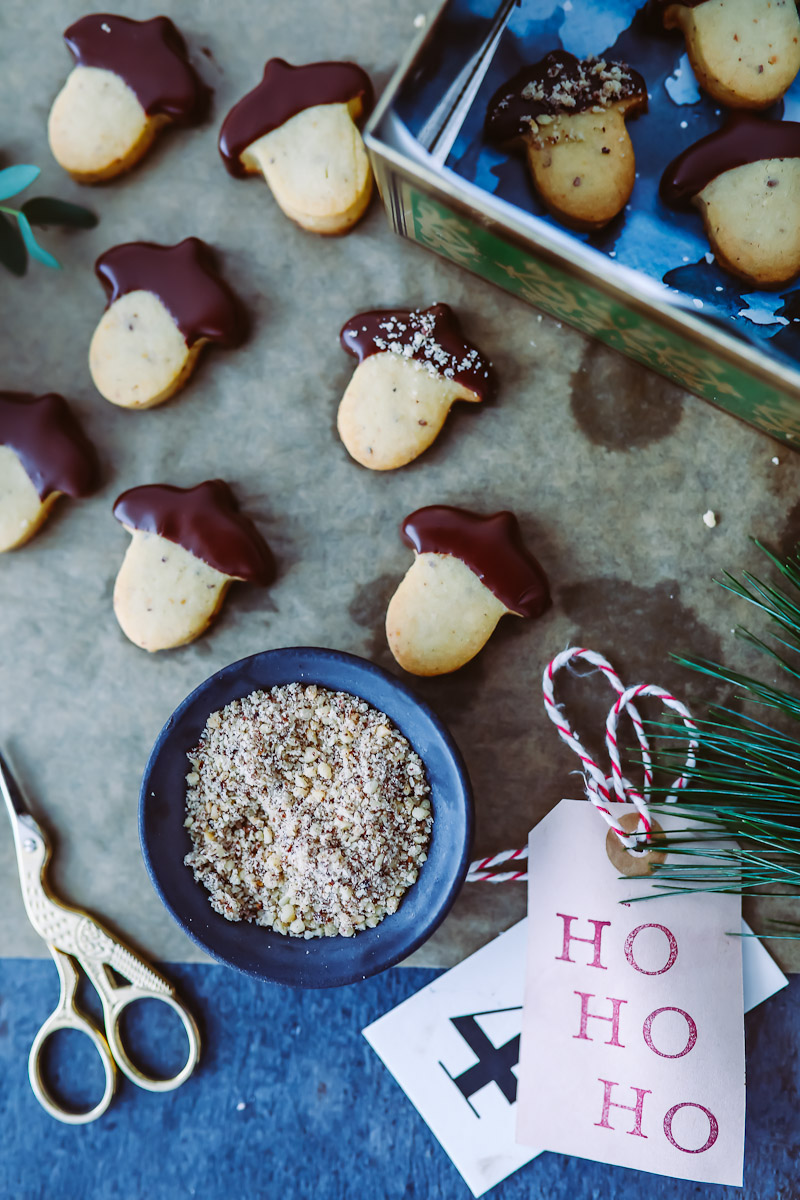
419	20
710	518
308	812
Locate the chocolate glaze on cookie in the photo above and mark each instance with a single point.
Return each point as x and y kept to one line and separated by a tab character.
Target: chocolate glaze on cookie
206	521
430	336
492	547
149	55
283	92
186	281
48	441
559	85
743	139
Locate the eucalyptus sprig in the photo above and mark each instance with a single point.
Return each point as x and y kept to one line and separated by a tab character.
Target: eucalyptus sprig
17	239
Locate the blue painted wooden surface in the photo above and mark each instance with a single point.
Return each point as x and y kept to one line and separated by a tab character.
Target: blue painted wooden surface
321	1116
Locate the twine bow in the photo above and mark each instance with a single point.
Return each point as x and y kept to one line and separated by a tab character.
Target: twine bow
601	789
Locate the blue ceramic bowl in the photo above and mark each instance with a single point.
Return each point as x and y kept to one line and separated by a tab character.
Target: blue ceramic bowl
318	962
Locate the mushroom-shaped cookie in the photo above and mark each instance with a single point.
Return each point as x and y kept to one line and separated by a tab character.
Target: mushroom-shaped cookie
745	53
43	453
568	117
164	304
468	571
413	366
745	180
129	79
189	544
298	129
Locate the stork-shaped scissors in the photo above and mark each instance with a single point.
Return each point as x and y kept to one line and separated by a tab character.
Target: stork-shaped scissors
75	940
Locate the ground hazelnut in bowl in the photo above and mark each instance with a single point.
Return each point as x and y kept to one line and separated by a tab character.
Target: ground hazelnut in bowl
305	818
309	812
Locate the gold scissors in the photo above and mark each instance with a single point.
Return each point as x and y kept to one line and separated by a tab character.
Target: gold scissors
76	939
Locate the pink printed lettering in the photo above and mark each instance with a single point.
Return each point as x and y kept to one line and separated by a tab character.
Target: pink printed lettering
673	949
713	1128
586	1015
648	1035
595	941
636	1108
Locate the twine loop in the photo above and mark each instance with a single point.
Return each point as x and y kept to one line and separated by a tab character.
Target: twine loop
603	790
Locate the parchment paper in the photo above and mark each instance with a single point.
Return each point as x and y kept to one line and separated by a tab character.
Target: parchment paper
608	468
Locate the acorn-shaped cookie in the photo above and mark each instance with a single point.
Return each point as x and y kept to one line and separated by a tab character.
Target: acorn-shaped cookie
129	79
188	546
568	117
745	180
44	453
164	304
745	53
298	129
413	366
468	571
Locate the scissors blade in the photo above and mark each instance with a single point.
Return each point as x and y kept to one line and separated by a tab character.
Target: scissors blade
11	791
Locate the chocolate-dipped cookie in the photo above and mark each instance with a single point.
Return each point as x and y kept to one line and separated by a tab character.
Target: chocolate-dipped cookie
44	454
745	180
413	364
299	129
567	116
188	545
745	53
468	572
164	304
130	78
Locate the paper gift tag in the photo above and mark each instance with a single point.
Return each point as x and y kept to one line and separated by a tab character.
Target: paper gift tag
454	1050
633	1035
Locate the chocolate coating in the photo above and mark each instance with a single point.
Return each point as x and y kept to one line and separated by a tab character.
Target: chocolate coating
186	281
430	336
206	521
558	85
743	139
283	92
149	55
47	439
492	547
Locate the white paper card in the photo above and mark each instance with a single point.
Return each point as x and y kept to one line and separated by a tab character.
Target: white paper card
761	975
454	1049
633	1034
429	1015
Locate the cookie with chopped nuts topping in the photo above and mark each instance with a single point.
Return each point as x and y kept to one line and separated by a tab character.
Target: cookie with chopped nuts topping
164	304
468	572
299	129
189	545
130	79
745	181
745	53
567	116
44	454
412	367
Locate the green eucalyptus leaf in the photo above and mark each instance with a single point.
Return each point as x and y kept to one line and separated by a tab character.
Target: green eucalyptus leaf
16	179
13	254
34	249
48	210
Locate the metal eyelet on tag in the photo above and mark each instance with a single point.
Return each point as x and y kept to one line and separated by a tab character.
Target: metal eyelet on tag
635	865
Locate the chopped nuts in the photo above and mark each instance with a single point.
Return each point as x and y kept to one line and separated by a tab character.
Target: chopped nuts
306	859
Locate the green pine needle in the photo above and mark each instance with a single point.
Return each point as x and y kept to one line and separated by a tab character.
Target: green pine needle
746	782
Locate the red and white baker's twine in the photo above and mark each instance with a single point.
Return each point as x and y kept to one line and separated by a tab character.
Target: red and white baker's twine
602	790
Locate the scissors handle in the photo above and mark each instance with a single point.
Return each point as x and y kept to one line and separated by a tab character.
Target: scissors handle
67	1015
113	1010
